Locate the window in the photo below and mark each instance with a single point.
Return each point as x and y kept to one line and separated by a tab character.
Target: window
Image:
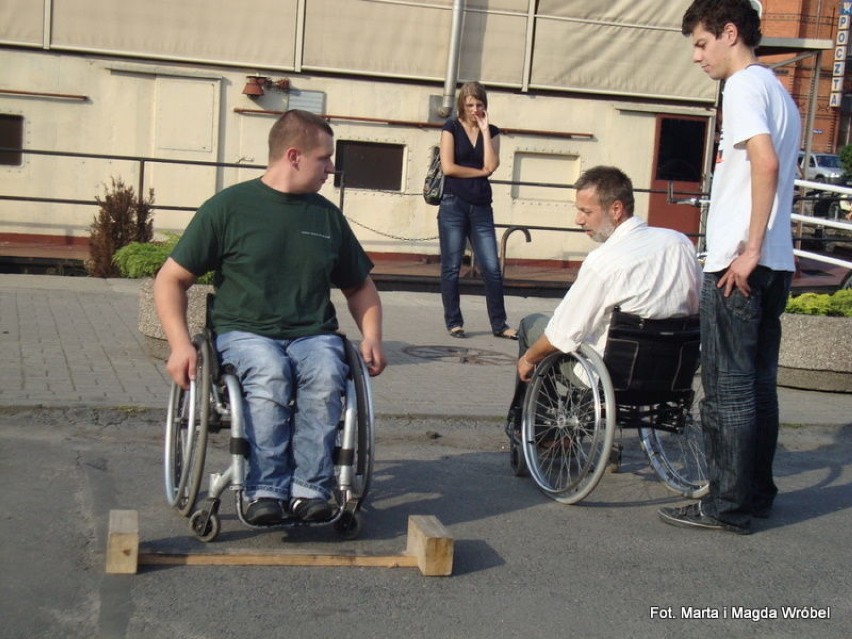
11	136
369	165
681	152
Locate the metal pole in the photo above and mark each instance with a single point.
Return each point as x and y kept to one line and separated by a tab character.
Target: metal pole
452	61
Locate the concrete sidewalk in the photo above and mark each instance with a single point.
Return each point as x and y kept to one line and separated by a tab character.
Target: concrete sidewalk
73	341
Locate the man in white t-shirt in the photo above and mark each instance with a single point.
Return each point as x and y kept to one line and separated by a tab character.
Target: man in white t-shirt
651	272
748	269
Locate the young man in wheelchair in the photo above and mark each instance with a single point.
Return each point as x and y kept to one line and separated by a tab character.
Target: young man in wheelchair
651	272
277	247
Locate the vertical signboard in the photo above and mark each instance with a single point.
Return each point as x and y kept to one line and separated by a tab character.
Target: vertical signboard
840	48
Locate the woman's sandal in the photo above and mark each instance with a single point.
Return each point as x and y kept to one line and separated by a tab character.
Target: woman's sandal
507	333
457	331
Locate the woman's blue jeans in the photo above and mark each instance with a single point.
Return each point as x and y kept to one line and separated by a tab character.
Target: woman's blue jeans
292	400
458	221
740	342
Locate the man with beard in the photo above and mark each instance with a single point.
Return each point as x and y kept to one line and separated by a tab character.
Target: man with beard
650	272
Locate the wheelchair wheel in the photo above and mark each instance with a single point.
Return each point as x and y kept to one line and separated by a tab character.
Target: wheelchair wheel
349	526
204	525
677	456
365	441
187	419
568	424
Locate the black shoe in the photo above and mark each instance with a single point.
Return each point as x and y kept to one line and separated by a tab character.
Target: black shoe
264	511
692	517
306	509
761	512
614	462
513	424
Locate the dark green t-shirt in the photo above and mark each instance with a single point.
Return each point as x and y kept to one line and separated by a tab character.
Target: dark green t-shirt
275	256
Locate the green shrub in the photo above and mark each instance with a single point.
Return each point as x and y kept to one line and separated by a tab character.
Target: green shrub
144	259
846	159
838	304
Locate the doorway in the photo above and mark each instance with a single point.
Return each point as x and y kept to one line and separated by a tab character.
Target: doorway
679	158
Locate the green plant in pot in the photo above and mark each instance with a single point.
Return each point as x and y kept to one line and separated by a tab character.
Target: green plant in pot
837	304
815	353
143	259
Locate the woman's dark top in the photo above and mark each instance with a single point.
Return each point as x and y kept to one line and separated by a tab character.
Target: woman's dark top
472	190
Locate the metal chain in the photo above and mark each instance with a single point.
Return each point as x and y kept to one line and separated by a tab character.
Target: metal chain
393	237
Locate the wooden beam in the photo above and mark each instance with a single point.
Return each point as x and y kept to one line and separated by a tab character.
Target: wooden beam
432	544
122	542
429	548
274	558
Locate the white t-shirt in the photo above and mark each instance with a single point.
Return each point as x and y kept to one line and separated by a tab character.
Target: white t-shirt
652	272
754	102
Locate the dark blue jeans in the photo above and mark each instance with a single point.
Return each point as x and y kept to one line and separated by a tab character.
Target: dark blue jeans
740	341
457	221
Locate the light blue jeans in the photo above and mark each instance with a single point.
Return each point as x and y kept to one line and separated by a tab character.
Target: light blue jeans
292	400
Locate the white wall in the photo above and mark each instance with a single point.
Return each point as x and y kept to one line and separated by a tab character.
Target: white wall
184	111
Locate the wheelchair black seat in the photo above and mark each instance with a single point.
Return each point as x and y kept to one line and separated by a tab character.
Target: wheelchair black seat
652	360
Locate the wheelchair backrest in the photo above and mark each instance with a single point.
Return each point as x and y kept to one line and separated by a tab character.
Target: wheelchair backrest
651	360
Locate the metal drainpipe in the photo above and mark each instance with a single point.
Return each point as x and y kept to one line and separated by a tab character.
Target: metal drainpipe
451	78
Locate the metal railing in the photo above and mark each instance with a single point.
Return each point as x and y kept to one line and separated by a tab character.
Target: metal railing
841	194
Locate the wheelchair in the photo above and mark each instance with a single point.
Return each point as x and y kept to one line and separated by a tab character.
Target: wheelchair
213	402
647	379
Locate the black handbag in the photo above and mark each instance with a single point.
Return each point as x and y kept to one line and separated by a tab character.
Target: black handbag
433	185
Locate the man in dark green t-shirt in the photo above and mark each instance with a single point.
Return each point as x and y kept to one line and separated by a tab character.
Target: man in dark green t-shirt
276	248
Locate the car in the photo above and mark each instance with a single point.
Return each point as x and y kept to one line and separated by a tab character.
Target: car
822	167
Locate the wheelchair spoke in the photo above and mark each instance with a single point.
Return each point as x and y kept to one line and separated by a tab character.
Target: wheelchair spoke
564	427
676	450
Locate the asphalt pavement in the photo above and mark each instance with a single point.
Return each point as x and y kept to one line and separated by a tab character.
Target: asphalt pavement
71	341
81	407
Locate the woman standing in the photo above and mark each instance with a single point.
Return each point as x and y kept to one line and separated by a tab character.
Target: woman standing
470	153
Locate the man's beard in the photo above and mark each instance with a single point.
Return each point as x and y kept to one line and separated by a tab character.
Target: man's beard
604	231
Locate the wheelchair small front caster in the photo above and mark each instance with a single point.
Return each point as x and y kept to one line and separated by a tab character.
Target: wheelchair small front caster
348	526
204	525
516	459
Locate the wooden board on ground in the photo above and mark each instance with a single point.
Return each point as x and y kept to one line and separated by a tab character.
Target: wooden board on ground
429	548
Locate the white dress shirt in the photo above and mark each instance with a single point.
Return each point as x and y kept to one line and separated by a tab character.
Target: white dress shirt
652	272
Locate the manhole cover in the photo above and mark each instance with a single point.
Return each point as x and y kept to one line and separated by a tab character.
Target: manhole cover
460	355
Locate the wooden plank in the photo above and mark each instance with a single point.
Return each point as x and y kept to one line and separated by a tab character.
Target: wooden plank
431	544
122	542
274	558
430	548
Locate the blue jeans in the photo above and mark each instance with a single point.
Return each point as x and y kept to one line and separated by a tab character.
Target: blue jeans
530	329
292	403
457	221
740	341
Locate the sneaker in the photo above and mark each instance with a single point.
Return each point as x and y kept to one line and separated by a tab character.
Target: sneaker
761	512
264	511
691	516
307	509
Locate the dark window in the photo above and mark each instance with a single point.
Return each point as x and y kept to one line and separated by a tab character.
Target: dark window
681	154
11	136
369	165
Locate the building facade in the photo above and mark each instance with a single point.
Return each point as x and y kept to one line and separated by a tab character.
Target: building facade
193	87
